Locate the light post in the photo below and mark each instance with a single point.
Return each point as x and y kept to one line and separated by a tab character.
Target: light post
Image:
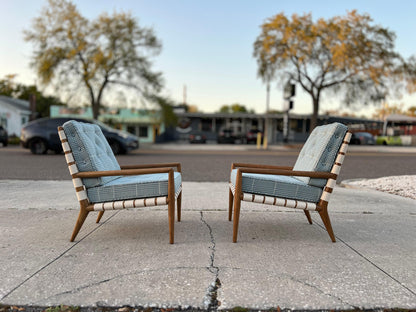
289	92
266	123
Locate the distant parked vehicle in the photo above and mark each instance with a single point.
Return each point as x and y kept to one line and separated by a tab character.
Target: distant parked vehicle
362	138
389	140
197	137
251	136
227	136
4	138
41	135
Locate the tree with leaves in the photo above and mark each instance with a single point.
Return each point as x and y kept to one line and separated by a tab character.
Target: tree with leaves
347	54
389	109
93	56
10	88
233	108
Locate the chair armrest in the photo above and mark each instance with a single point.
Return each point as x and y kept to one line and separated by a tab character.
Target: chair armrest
124	172
240	165
164	165
310	174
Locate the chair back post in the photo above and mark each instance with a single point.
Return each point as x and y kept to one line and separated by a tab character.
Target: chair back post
336	168
73	169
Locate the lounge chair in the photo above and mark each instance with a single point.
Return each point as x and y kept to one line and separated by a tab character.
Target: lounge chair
306	186
101	184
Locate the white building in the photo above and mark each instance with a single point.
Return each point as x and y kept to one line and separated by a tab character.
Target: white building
14	114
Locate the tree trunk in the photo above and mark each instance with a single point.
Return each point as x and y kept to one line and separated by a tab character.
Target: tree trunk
95	105
97	102
95	109
314	117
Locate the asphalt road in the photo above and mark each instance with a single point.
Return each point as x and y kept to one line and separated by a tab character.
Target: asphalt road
207	164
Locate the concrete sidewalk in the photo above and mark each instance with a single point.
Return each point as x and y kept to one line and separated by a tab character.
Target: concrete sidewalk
279	261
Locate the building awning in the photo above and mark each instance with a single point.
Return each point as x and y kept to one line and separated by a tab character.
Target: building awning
397	118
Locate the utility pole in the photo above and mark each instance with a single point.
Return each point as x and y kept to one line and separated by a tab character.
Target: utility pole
184	94
32	105
266	120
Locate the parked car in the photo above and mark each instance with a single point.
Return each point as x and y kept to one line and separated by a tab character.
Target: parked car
227	136
197	137
41	135
389	140
362	138
251	136
4	138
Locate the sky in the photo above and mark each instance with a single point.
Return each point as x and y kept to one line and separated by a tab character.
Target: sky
207	46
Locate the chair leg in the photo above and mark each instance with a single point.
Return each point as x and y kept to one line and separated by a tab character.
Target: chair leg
237	205
230	205
171	217
308	216
179	206
327	222
83	213
171	206
100	215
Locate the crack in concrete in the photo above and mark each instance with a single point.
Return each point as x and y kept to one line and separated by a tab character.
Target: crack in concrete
58	257
299	281
368	260
211	302
97	283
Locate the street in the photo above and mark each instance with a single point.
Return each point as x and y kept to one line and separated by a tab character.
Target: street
205	164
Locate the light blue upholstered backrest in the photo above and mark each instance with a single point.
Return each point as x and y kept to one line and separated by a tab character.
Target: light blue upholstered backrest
91	151
320	151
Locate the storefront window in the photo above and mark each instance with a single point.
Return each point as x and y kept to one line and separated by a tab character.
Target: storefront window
143	132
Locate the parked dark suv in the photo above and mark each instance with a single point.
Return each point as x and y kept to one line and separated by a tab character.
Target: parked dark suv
3	136
227	135
41	135
362	138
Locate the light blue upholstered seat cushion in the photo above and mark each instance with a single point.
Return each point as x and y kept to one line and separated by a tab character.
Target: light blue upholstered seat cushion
134	187
319	151
91	151
277	186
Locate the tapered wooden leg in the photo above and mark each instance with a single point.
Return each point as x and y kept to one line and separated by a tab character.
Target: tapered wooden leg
83	213
327	222
230	205
171	217
179	206
171	206
237	205
100	215
308	215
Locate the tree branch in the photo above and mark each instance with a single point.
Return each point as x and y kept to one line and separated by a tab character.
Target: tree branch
126	84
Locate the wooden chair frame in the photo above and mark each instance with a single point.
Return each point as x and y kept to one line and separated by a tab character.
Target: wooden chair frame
236	195
86	206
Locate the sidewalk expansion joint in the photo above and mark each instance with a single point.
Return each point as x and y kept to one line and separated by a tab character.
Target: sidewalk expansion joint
211	302
57	258
369	261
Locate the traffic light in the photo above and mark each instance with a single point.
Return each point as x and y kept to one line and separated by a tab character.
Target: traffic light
289	90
